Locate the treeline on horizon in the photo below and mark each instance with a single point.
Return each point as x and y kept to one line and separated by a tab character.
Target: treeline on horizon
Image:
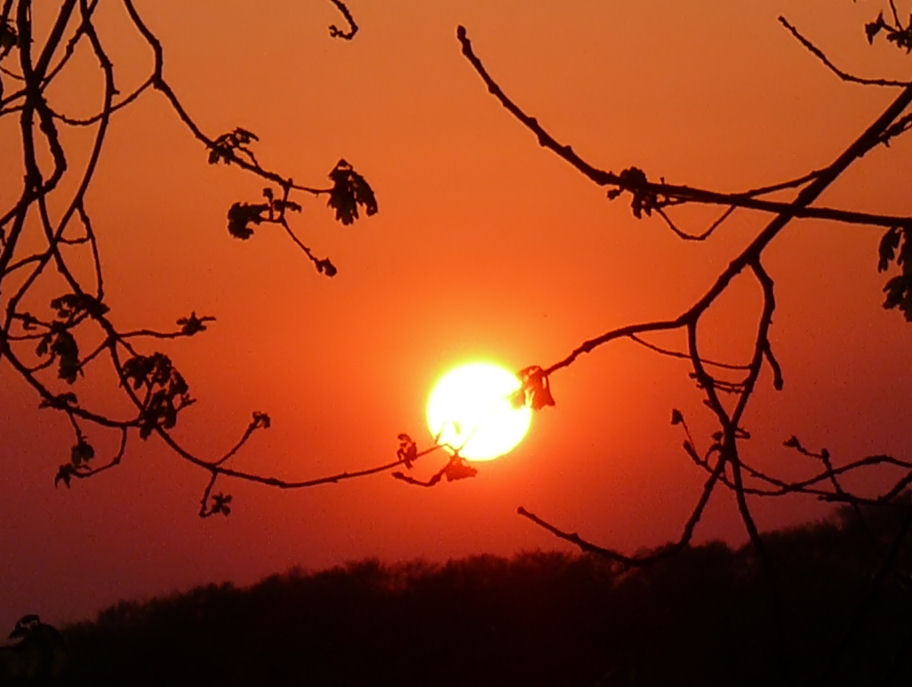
699	617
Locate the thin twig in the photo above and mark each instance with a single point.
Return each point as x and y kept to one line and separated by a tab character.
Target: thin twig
845	76
671	191
335	31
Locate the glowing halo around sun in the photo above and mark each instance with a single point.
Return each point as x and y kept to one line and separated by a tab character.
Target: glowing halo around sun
470	411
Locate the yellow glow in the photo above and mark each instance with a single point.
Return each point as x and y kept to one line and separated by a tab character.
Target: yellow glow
470	410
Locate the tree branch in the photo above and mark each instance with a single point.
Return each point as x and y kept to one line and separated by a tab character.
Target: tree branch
671	192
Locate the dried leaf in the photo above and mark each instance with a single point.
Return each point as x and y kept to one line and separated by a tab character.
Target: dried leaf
8	37
407	451
241	215
874	27
899	294
167	391
71	305
350	190
458	469
64	347
193	325
282	205
224	146
535	391
64	474
260	420
43	345
220	504
326	267
81	453
634	180
245	136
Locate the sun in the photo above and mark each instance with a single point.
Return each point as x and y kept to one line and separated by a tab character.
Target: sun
470	411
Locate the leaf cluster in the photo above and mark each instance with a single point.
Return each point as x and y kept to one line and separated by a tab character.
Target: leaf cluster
643	199
896	246
242	215
350	190
457	469
260	421
81	454
9	39
72	306
58	341
166	391
154	391
224	147
407	451
896	33
325	266
535	391
63	348
193	325
220	503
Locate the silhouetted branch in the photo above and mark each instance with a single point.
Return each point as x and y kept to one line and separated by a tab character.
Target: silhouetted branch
641	560
456	468
35	346
336	32
895	13
576	540
685	356
806	486
845	76
82	471
781	186
695	237
432	481
647	195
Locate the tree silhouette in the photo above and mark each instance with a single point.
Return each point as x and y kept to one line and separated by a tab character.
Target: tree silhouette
37	656
536	619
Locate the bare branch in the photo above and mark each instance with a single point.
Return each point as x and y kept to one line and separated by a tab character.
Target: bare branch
152	385
671	192
649	558
685	356
845	76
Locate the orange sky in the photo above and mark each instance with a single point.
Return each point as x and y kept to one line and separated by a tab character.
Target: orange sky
485	246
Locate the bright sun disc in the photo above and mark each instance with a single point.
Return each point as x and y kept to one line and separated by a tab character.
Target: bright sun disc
470	410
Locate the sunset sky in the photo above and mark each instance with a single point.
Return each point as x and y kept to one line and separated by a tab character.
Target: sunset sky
486	246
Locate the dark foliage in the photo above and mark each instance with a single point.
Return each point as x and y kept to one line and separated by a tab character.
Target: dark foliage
538	619
898	288
350	190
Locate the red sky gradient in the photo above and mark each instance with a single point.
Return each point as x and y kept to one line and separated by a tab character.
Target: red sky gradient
485	246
